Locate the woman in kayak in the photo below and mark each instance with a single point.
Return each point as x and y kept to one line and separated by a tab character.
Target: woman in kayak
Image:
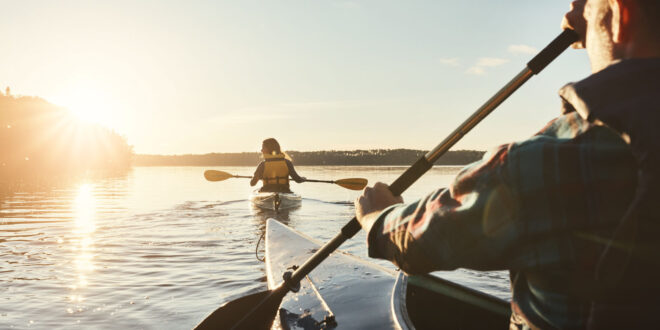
275	169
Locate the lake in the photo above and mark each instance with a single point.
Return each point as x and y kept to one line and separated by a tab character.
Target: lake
161	247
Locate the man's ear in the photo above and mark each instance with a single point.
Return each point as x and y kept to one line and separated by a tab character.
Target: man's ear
621	23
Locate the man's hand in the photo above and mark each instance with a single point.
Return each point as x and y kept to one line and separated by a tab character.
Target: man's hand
372	201
574	20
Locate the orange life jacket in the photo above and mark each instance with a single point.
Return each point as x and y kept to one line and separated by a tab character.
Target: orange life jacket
276	172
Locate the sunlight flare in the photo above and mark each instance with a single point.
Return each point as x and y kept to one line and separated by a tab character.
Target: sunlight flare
87	103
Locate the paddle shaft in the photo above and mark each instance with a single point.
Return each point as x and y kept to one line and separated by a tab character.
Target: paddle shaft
325	181
307	180
536	65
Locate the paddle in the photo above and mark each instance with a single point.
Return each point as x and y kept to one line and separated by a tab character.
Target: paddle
213	175
350	183
257	311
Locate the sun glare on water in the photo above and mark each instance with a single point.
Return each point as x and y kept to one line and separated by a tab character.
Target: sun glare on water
85	209
83	240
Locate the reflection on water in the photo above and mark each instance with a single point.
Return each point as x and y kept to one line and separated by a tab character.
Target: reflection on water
82	243
159	247
261	215
84	205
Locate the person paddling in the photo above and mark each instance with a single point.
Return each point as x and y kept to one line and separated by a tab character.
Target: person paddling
275	169
572	212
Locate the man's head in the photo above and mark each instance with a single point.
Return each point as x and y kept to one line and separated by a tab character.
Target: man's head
616	29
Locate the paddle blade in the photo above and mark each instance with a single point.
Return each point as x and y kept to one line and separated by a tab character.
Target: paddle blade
353	183
213	175
256	311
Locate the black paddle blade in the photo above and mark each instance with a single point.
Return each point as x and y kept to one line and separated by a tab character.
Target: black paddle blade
256	311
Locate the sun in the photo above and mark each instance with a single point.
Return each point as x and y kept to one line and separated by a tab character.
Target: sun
88	104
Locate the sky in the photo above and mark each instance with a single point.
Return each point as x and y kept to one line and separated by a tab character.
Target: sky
180	77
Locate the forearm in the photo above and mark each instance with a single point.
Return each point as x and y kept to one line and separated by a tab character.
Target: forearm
258	174
472	224
293	174
444	232
391	238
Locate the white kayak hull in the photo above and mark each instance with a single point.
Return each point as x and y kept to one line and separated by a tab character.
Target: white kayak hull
342	285
357	294
275	200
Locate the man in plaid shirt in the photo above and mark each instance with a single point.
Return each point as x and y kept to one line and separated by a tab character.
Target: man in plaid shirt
546	208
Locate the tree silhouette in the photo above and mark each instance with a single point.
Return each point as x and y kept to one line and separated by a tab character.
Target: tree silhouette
37	137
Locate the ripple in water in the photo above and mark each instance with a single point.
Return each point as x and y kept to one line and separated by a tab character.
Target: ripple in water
161	247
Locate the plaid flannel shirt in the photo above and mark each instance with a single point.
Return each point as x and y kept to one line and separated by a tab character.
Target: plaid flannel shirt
543	209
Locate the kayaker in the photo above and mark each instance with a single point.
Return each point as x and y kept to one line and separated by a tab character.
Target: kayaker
571	212
275	169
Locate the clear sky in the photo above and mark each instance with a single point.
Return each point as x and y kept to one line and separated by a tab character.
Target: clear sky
179	77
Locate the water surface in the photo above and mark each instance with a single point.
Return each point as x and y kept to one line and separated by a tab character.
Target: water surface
160	247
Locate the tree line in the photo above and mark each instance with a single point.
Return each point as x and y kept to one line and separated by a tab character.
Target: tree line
39	139
390	157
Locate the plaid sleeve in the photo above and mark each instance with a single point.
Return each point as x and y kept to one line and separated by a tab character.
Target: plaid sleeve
466	225
519	207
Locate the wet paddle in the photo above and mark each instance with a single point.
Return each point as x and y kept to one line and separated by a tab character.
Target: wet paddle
257	311
350	183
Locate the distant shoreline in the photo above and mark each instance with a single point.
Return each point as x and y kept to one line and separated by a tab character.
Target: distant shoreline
251	166
373	157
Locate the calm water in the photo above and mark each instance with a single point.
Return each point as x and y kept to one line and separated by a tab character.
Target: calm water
160	247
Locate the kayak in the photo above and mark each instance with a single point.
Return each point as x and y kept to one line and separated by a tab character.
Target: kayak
346	292
275	200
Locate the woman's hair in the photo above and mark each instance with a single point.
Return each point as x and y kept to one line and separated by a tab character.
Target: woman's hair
272	147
